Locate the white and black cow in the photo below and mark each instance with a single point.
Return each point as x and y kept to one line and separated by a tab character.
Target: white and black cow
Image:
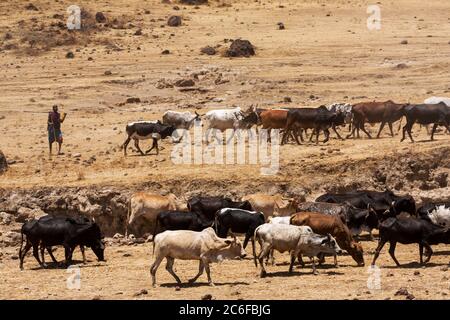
144	130
437	213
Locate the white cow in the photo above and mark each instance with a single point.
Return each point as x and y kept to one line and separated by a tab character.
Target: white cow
279	220
222	120
436	100
204	246
440	216
295	239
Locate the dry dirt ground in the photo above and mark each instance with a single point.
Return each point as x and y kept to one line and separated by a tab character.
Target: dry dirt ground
325	54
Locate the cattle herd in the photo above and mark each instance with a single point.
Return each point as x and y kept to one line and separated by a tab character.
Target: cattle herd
295	121
199	229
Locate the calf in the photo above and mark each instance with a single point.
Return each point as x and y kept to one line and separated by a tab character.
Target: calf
324	224
296	240
179	220
61	231
410	230
238	221
207	207
204	246
436	114
146	130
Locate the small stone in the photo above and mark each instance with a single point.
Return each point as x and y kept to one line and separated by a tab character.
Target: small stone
404	42
207	297
70	55
100	17
177	288
108	73
138	32
416	273
174	21
280	26
165	51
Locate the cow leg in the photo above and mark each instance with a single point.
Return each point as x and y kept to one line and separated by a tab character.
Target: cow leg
208	271
317	135
300	260
296	138
36	254
433	130
429	251
312	135
154	145
169	267
407	128
264	252
380	246
381	128
337	133
392	245
352	133
23	252
154	267
390	129
327	135
49	250
313	261
365	131
335	261
231	137
200	272
83	253
291	265
125	145
42	249
136	144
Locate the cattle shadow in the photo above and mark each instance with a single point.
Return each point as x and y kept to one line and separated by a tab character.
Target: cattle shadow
415	265
202	284
306	272
62	265
441	253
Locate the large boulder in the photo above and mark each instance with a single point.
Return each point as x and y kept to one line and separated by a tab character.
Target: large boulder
240	48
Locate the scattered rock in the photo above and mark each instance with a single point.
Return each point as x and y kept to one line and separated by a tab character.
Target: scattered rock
416	273
3	163
133	100
184	83
5	218
287	99
12	238
444	268
280	26
176	8
404	292
31	7
165	51
401	66
70	55
138	32
207	297
404	42
174	21
127	255
140	293
240	48
163	83
194	2
210	51
96	298
177	288
100	17
8	36
108	73
77	155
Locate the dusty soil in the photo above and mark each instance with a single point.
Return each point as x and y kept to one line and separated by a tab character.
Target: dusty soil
325	54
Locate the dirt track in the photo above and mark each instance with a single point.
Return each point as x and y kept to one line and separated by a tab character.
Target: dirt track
326	51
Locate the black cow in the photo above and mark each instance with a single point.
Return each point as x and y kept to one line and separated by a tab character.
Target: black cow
424	114
69	232
147	130
180	220
312	118
238	221
385	203
356	219
410	230
207	207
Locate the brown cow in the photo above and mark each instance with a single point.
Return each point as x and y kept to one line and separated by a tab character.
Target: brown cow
374	112
324	224
273	119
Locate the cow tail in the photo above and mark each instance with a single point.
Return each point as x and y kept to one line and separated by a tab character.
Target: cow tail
128	217
255	237
154	231
21	244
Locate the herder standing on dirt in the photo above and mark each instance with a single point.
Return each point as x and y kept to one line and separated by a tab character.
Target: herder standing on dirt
54	128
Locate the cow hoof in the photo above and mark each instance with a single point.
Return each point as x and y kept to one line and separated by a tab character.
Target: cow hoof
212	284
315	273
263	275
